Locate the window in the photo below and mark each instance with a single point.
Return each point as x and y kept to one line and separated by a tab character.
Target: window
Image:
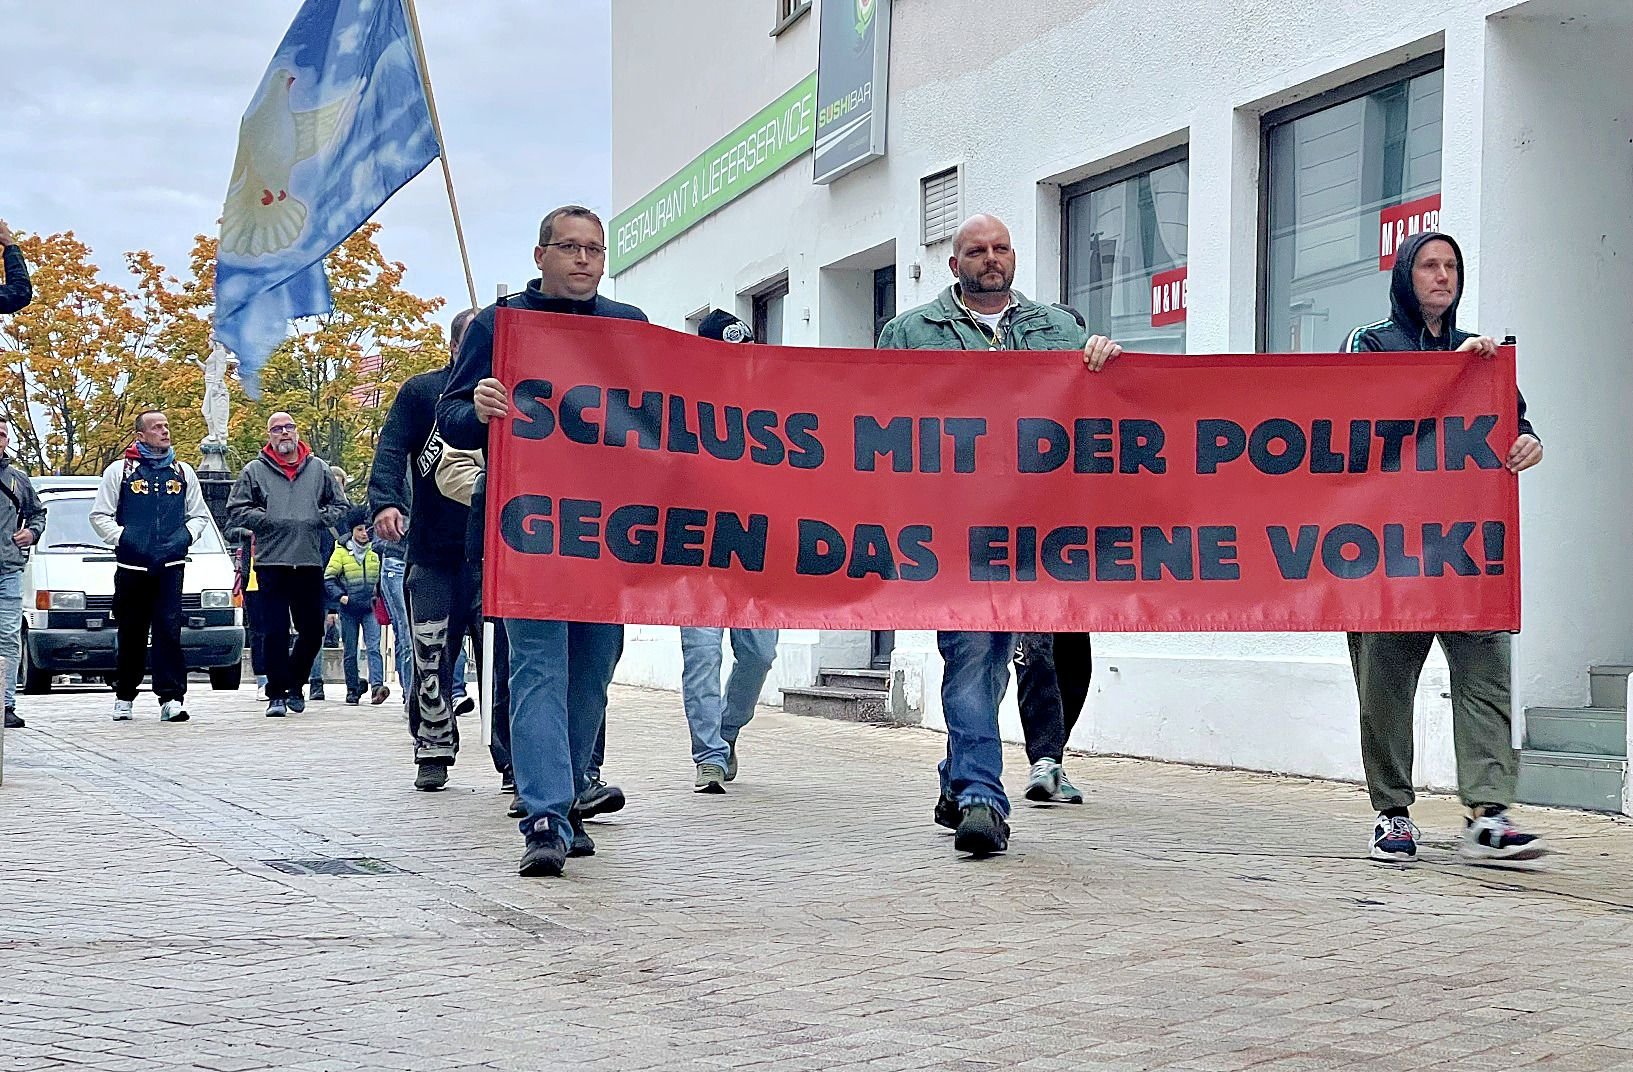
768	312
1346	176
788	13
939	196
1124	252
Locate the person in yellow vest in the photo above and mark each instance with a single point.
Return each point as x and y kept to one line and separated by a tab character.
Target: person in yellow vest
352	580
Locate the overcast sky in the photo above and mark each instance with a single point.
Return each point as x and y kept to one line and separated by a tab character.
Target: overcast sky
119	121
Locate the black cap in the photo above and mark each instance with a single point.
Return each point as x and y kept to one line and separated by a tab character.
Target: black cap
724	327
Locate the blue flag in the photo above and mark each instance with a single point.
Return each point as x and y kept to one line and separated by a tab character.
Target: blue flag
339	123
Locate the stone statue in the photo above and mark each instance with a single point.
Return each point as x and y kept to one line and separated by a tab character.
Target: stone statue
215	393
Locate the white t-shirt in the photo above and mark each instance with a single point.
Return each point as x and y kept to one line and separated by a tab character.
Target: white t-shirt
991	320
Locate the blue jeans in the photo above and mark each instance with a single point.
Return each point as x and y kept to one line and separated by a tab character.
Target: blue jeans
11	631
350	625
559	673
974	679
392	572
715	722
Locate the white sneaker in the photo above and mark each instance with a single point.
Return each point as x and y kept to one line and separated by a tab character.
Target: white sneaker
122	710
1494	837
172	711
1043	784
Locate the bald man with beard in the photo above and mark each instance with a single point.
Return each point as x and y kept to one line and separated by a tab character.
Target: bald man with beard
981	310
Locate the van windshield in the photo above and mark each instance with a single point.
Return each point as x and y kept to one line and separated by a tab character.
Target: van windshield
68	527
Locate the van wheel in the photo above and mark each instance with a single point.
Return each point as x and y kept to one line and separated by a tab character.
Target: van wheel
227	678
36	681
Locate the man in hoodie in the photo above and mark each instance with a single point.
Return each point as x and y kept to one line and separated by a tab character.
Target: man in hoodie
151	508
716	721
407	506
16	291
287	498
981	310
352	579
559	671
1424	291
22	523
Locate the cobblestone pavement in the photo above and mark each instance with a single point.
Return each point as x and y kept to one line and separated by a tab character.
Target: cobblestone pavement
812	918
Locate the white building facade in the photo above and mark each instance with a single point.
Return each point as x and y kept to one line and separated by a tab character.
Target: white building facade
1193	176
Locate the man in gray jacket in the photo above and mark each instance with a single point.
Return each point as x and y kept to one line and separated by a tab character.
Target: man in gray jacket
22	523
287	497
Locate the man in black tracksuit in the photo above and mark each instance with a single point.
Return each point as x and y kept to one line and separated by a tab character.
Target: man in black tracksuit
404	498
559	671
1424	291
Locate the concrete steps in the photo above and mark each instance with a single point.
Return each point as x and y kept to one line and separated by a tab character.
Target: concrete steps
848	695
1576	757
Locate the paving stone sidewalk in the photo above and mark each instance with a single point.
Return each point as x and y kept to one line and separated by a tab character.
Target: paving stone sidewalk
811	918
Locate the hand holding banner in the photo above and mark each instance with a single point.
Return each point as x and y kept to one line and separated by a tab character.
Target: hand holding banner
646	476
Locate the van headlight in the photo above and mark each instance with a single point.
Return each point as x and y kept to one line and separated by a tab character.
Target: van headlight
216	599
49	600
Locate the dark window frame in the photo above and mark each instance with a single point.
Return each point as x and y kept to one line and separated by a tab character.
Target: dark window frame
1288	113
759	299
788	13
1083	187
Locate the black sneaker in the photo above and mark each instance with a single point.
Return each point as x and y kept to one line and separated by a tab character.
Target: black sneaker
731	763
432	776
464	706
981	831
316	693
276	708
507	782
517	809
1394	840
1493	838
600	799
582	845
948	812
297	700
13	721
545	854
353	699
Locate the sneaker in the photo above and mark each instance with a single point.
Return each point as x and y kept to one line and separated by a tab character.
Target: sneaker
507	782
947	812
260	686
600	799
711	778
462	706
582	845
1043	784
517	809
1067	793
1394	840
276	708
297	702
981	831
171	711
316	694
431	777
731	763
545	854
122	710
353	699
1494	837
13	720
378	694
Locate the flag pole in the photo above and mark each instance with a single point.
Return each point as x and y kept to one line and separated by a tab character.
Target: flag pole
442	147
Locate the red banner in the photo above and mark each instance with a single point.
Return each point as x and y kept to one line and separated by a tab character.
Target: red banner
1170	297
646	476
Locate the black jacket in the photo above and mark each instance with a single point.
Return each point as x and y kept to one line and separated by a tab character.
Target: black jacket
456	413
16	292
1405	330
405	474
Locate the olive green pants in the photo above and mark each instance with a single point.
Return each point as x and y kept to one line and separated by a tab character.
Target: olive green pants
1387	667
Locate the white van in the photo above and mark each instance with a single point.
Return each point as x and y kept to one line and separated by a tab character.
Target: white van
68	625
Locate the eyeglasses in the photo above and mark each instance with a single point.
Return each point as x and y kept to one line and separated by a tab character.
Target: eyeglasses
280	429
573	249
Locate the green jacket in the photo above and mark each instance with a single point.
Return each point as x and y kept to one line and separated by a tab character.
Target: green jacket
357	581
944	324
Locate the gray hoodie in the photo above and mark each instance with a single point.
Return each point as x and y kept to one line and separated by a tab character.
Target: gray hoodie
288	517
26	513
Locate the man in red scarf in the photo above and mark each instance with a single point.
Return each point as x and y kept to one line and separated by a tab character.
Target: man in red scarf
287	497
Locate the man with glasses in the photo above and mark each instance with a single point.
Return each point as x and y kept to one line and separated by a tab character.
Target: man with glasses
559	671
287	497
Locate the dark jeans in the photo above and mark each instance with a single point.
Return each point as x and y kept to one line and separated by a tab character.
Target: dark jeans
145	600
290	595
1052	671
470	602
256	629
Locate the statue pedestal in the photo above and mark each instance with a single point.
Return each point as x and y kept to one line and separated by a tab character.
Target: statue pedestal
213	457
215	480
